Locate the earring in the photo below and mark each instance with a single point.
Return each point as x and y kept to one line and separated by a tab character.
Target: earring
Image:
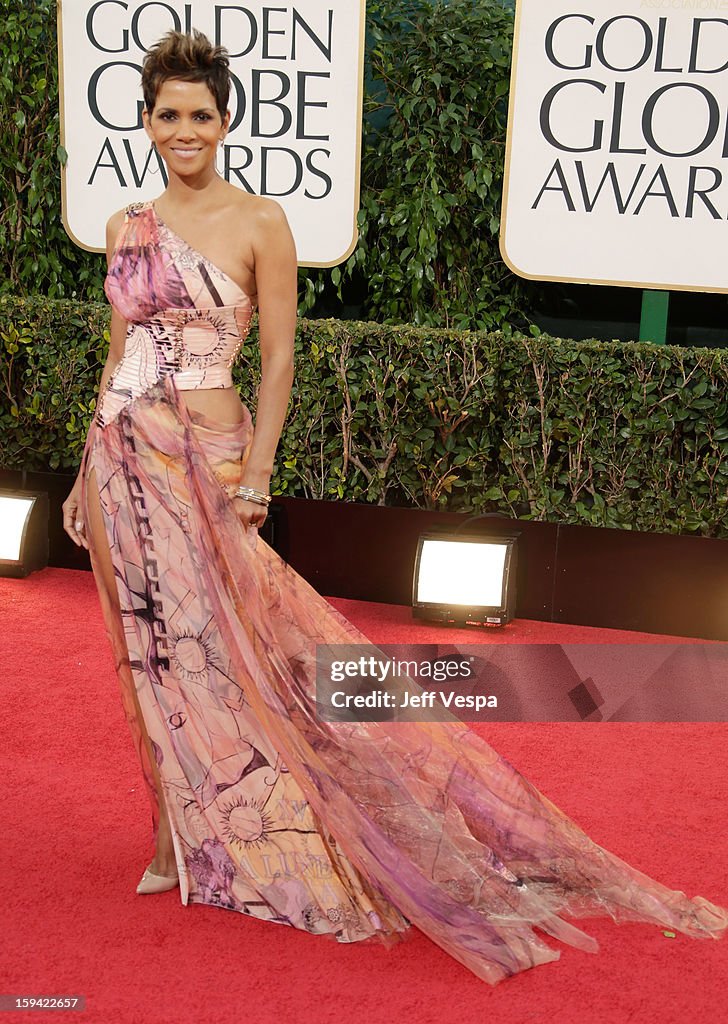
220	172
153	150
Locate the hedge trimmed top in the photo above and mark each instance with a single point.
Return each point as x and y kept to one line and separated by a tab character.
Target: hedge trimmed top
617	434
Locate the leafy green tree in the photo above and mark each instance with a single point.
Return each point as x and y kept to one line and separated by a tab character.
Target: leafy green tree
36	254
432	170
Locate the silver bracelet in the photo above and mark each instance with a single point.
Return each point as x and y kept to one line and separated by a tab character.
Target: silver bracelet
254	495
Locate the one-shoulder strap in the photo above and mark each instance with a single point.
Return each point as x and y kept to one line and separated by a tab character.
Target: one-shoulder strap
133	209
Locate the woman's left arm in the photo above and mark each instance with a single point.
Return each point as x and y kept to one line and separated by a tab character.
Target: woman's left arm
276	278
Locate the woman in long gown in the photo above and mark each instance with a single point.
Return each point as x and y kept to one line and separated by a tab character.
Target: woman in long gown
355	831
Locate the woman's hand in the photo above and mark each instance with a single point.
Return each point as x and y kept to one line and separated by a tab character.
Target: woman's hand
250	513
73	522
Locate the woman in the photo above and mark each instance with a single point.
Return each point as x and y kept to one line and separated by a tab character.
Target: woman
350	830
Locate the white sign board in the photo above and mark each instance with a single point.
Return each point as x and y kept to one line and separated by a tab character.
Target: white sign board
295	106
617	153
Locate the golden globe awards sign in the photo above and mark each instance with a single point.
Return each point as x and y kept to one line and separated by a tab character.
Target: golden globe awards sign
295	108
617	153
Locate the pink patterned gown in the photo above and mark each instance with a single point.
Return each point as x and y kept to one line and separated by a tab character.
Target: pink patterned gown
355	831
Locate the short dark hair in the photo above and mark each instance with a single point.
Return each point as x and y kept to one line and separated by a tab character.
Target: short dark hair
191	58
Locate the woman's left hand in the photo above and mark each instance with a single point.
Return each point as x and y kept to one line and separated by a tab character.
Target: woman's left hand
250	513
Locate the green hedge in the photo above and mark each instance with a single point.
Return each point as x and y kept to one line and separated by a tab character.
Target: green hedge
616	434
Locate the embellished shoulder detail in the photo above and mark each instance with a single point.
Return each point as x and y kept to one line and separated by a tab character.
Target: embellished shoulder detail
135	208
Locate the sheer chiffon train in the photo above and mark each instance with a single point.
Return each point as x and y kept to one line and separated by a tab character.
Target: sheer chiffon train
355	831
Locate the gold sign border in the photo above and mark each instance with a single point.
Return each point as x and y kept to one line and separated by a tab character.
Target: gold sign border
357	172
651	285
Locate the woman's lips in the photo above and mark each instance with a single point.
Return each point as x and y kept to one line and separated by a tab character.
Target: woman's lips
186	154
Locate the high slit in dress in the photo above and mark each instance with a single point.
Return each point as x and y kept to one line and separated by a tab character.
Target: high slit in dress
354	831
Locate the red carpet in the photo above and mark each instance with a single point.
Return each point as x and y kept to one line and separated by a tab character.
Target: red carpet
77	837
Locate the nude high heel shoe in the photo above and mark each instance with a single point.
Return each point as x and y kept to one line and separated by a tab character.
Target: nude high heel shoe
151	883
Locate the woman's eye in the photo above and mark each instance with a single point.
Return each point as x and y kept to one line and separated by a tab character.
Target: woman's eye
167	115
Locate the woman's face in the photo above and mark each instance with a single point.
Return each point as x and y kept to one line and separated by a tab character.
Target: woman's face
185	126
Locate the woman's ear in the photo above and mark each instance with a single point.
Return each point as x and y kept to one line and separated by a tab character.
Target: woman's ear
145	122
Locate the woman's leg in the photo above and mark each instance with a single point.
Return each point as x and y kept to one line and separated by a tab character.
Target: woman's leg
164	862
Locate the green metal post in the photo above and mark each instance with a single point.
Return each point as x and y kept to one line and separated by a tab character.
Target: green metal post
653	325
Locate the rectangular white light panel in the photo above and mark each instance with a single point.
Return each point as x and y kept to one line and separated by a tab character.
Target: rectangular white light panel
13	515
461	573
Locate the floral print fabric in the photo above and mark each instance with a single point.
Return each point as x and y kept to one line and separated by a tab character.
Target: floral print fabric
355	831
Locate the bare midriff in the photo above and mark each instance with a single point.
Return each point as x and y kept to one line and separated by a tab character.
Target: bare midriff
221	404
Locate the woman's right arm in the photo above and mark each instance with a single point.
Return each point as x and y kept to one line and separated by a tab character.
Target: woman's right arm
117	342
118	324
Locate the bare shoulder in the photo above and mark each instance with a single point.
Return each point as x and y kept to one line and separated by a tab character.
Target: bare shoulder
115	221
113	227
264	216
268	210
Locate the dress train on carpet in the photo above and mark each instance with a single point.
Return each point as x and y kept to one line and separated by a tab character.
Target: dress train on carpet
354	831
